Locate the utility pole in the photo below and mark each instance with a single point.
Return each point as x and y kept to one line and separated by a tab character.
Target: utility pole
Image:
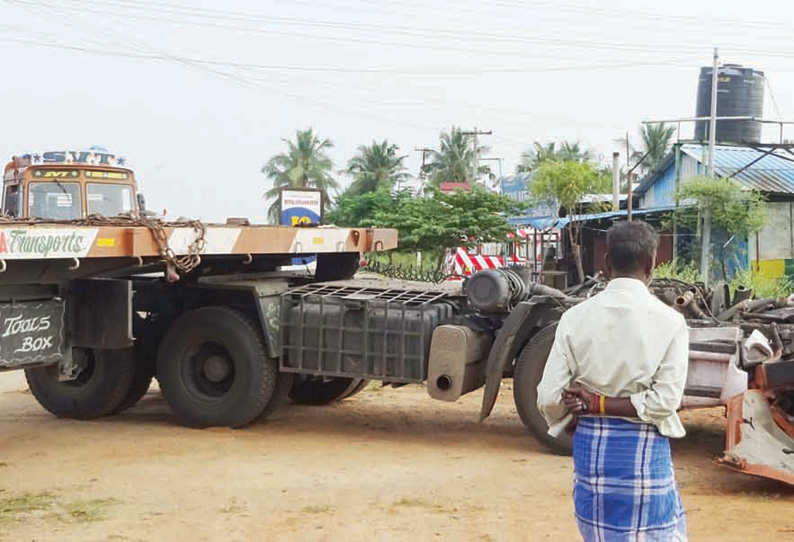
705	249
615	181
495	160
630	189
424	151
476	158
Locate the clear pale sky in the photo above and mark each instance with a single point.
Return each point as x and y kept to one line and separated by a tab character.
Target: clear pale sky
198	95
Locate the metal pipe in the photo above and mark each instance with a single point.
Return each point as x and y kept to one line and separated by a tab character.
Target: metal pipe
696	119
713	116
741	294
751	306
710	356
616	181
684	303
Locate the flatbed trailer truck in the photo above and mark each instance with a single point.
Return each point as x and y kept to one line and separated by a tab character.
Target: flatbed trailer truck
93	307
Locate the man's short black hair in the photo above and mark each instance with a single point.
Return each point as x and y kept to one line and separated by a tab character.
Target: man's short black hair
630	245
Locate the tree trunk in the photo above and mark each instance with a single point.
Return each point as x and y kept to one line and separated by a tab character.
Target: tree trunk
576	248
577	256
440	263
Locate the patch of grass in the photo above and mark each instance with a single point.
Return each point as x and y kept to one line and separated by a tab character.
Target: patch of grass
374	385
412	502
233	507
415	502
15	508
27	502
90	510
317	509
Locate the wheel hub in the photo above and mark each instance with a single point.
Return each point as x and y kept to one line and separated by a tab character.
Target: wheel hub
216	368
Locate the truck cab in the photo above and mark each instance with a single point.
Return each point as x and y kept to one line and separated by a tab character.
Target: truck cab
68	185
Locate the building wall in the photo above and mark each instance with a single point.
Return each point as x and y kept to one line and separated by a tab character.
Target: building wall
773	249
662	192
594	247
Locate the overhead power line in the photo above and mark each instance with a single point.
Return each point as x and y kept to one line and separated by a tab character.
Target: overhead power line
201	17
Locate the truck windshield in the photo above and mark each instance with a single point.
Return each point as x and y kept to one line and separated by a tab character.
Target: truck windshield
54	199
108	199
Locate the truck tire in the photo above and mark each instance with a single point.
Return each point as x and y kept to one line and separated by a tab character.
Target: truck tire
97	391
355	387
214	370
528	371
141	380
318	390
284	383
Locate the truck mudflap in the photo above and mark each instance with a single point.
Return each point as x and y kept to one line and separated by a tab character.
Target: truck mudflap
759	438
513	335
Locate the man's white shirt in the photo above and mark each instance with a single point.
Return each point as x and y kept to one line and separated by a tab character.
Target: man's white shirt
623	342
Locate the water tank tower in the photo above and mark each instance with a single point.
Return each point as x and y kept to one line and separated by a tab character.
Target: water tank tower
740	93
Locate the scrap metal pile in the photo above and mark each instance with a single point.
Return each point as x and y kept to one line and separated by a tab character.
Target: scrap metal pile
755	382
741	357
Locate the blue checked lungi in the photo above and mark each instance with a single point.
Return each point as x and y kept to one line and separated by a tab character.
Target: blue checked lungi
624	485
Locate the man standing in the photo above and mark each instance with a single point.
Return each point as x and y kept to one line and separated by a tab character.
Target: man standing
616	377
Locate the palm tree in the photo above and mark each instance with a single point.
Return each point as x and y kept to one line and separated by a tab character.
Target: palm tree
376	167
656	139
453	161
304	165
539	153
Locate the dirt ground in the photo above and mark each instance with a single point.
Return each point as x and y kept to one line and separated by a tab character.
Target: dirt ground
384	465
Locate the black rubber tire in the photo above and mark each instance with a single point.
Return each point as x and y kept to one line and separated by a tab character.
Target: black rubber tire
284	383
355	387
227	338
142	379
528	373
97	391
319	391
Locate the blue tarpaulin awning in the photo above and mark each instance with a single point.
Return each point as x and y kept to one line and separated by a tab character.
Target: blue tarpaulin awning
546	222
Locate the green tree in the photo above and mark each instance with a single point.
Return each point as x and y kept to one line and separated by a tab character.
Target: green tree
567	183
656	140
731	208
539	153
304	165
356	210
376	167
454	159
446	220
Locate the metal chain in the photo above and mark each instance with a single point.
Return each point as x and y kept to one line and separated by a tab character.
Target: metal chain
409	273
184	263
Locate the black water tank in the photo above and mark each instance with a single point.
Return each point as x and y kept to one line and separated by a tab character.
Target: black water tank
740	93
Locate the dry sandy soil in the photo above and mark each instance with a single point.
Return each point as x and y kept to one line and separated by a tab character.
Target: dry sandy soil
384	465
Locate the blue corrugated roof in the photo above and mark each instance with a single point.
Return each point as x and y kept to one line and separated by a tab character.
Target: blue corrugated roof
615	214
538	222
772	173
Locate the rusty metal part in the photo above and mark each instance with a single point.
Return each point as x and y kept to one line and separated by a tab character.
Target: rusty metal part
185	263
755	442
684	303
741	294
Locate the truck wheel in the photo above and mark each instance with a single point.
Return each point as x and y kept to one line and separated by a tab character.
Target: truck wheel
284	384
141	380
528	372
355	387
318	390
214	370
97	391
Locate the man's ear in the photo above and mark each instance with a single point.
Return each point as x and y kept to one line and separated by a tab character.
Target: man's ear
650	265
